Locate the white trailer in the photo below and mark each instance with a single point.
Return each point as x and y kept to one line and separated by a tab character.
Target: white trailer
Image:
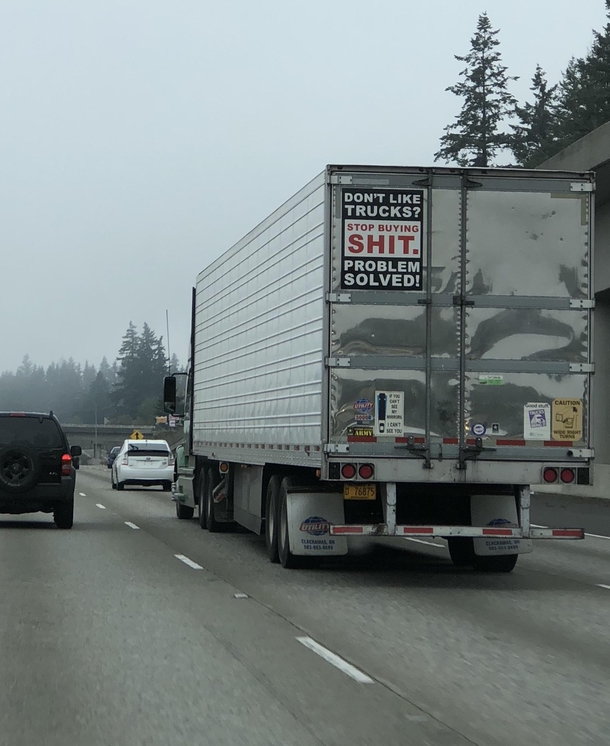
396	352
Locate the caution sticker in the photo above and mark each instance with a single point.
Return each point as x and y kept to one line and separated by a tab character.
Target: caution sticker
567	419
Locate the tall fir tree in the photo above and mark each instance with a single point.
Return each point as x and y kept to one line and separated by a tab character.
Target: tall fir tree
477	136
535	136
584	100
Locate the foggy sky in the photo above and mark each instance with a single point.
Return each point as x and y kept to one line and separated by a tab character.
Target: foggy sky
140	139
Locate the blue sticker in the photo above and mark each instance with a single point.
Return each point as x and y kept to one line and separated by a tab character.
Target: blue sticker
478	429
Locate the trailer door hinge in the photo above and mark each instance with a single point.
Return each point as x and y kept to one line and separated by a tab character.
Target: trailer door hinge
582	303
582	368
581	186
336	448
581	453
341	179
339	297
338	362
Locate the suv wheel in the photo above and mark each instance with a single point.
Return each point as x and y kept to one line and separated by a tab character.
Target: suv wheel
18	468
63	515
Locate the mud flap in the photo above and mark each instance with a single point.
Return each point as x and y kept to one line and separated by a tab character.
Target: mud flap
497	511
310	515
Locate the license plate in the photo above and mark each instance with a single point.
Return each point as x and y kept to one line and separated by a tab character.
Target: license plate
359	491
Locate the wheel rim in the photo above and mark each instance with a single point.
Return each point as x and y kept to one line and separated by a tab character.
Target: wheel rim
16	467
271	521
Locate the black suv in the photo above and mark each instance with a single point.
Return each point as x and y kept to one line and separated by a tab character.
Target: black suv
37	467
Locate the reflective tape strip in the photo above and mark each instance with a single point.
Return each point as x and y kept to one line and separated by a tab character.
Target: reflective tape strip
557	533
417	529
498	532
334	530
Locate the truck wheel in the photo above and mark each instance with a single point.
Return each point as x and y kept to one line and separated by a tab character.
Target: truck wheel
490	563
461	551
120	486
271	518
63	514
287	558
211	482
184	512
201	493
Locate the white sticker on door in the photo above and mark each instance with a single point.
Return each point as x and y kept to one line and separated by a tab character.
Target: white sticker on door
389	413
537	421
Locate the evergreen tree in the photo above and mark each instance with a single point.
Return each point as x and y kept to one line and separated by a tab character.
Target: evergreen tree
126	395
476	137
535	137
584	100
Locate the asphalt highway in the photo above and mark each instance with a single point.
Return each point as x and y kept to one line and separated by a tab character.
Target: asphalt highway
137	629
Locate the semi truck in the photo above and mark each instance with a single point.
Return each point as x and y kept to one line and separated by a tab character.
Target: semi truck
396	352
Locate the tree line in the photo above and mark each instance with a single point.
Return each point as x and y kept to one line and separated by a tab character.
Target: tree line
493	124
124	393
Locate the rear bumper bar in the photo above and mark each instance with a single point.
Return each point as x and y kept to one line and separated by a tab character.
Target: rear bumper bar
381	529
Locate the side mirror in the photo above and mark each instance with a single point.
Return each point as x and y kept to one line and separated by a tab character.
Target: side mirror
174	394
169	394
75	451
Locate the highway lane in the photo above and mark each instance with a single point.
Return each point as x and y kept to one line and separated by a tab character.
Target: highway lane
455	657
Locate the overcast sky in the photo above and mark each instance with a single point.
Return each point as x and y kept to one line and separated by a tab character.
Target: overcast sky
141	138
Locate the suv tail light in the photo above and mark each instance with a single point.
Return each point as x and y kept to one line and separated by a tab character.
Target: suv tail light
125	461
171	460
66	465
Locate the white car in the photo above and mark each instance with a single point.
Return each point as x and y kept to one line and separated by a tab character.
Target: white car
145	462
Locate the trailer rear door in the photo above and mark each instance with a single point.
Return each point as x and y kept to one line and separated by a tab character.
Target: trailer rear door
459	314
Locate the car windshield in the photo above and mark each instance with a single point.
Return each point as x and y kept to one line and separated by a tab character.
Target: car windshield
41	432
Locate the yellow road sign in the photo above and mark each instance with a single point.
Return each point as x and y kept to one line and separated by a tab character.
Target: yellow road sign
567	419
136	435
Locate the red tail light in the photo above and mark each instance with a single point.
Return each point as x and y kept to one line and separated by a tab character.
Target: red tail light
366	471
125	461
348	471
66	465
567	476
549	475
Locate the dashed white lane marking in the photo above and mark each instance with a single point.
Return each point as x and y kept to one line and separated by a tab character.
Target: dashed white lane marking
82	494
601	585
100	506
131	525
425	543
240	595
188	562
336	661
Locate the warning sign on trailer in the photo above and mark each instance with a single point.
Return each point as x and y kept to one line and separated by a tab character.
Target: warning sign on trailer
382	239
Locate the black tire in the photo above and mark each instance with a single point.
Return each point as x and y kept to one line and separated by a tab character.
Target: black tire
63	514
499	563
461	551
167	487
19	468
287	559
120	486
184	512
201	495
271	518
112	482
211	482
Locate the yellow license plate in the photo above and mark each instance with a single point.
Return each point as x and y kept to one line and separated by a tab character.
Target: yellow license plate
359	491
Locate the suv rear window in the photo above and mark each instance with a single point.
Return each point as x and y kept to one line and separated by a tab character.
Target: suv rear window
40	432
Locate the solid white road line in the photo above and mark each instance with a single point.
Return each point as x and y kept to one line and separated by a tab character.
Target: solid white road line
100	506
601	585
597	536
82	494
425	543
131	525
339	663
188	562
